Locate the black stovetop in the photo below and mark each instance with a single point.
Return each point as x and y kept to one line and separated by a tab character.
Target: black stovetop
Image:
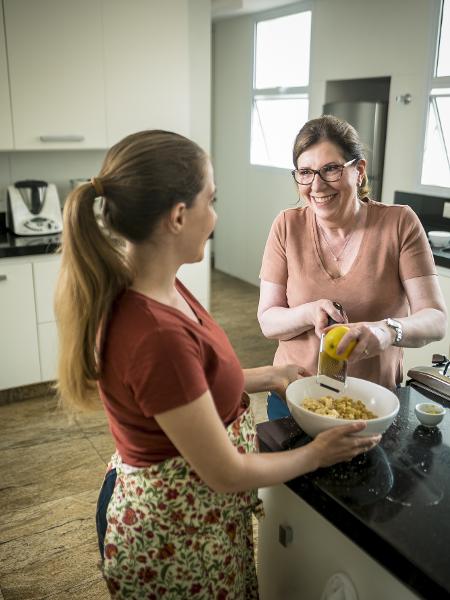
393	502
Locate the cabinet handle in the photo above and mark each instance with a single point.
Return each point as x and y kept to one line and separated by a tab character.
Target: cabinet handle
61	138
3	277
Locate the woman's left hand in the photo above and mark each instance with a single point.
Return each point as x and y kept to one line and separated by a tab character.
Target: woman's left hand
283	376
372	339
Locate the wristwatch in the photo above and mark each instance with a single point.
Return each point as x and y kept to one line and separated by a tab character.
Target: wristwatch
397	327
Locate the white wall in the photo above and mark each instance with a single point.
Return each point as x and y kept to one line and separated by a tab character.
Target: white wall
61	166
351	39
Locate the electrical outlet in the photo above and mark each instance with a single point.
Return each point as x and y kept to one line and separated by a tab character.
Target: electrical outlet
446	210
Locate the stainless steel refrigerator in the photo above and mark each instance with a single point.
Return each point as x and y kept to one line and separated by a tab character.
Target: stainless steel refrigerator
370	121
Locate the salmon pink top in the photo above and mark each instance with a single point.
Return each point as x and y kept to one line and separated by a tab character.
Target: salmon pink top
394	248
155	358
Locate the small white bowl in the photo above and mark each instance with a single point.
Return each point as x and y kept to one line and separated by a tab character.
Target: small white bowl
377	399
439	239
429	414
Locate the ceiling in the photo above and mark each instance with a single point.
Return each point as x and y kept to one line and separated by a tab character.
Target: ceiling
222	9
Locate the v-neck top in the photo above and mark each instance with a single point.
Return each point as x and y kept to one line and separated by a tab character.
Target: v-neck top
394	248
155	358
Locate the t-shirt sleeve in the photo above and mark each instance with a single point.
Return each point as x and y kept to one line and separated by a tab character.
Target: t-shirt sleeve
416	257
274	263
166	371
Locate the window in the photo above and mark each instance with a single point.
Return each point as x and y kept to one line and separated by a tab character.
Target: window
436	158
280	87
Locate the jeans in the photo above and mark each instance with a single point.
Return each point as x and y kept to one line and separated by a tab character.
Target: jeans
276	407
104	497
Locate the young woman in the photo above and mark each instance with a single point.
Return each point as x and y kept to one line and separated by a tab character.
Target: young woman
179	519
372	258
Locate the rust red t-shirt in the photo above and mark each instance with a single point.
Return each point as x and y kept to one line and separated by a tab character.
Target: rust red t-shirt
155	358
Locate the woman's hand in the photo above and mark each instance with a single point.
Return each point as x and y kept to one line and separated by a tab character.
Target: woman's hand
340	443
372	339
283	376
320	311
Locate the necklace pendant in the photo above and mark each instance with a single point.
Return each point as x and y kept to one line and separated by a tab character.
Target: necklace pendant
336	259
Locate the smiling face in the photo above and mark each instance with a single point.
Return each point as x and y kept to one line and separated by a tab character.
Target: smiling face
331	201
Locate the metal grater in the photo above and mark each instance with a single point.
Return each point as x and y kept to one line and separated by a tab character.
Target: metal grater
331	373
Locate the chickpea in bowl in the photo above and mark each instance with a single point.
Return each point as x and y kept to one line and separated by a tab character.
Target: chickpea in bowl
381	403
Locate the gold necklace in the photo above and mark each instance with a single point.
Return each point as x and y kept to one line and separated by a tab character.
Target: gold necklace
347	239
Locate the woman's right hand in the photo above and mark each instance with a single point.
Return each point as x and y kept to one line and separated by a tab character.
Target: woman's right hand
320	311
340	444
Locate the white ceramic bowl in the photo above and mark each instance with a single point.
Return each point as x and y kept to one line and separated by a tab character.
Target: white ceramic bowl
429	413
440	239
377	399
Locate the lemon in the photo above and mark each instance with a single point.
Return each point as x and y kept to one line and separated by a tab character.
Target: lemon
332	339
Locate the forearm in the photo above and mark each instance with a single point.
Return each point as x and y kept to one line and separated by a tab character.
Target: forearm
260	379
262	470
424	326
282	323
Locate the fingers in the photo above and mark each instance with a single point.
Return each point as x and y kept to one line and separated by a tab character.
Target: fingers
341	443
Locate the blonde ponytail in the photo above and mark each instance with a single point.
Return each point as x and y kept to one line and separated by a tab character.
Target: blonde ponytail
93	272
141	178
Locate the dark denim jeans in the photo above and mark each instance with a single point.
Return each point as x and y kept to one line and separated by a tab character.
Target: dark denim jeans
276	407
104	497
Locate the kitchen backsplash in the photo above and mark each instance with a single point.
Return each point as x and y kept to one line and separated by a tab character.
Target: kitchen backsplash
430	209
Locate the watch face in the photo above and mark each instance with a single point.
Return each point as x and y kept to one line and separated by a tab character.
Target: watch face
393	324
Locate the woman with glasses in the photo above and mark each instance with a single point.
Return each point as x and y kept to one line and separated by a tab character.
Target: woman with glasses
373	259
174	513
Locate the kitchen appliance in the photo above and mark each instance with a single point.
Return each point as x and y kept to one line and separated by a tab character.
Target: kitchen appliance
434	379
370	121
33	208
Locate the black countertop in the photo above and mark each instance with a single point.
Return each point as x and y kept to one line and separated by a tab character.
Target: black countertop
393	502
15	245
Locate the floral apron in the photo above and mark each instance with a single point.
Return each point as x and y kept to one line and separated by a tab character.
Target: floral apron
170	536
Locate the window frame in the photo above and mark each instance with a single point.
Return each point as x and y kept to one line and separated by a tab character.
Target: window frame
297	92
434	83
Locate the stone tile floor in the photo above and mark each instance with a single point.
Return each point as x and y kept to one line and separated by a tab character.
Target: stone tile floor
53	468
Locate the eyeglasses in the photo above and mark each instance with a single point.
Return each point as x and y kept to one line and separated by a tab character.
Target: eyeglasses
331	172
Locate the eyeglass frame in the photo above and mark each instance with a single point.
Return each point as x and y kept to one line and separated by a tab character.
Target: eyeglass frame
317	172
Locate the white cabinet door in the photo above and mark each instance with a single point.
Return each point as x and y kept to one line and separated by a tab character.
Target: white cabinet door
45	274
56	73
416	357
6	138
196	277
146	66
302	568
48	350
19	357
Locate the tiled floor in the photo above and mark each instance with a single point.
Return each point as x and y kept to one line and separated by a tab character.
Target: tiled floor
52	469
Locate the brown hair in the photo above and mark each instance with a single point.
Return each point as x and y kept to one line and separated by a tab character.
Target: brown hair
339	132
142	178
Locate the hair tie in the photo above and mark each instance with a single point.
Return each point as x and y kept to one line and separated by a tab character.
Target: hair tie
97	185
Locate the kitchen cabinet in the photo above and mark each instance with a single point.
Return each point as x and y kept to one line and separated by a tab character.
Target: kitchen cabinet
383	519
146	66
80	79
316	552
415	357
28	352
6	137
54	50
45	274
19	355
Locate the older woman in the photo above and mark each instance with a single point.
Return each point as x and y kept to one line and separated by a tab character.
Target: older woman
374	259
